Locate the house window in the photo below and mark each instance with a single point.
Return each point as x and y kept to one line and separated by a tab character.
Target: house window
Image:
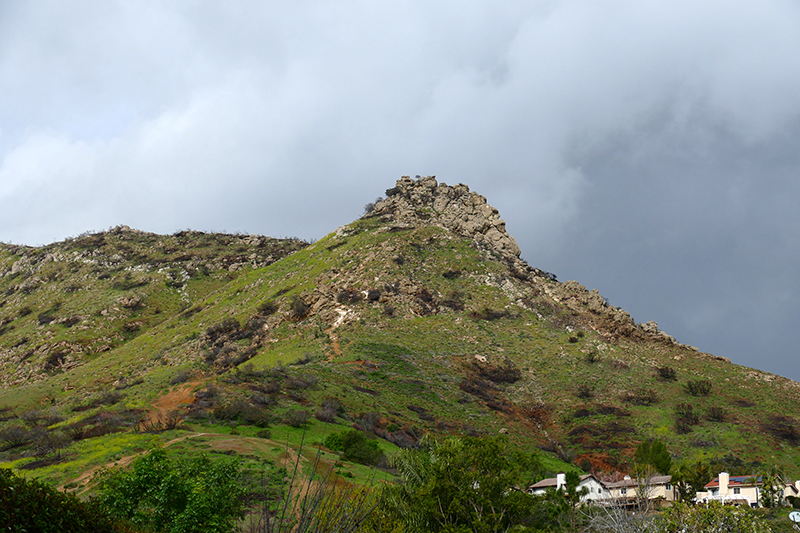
669	486
623	490
737	490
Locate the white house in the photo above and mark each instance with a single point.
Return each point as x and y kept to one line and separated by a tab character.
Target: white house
656	487
739	490
595	489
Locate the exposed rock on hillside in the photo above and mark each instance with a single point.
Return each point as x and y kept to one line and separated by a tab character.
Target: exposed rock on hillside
452	207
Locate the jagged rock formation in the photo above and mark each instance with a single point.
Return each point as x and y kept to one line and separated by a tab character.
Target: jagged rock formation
456	208
452	207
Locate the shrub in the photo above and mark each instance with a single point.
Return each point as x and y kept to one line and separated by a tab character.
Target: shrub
454	300
180	377
641	397
358	448
14	437
31	505
451	274
666	373
716	414
162	494
489	314
592	356
107	398
296	418
267	308
334	442
698	387
299	308
348	296
329	410
685	417
585	391
370	206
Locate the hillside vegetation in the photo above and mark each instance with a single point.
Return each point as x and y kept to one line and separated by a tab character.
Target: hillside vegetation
418	318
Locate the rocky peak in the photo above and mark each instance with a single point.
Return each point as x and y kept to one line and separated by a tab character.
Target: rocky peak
452	207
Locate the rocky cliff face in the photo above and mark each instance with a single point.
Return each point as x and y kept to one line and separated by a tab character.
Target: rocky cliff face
453	207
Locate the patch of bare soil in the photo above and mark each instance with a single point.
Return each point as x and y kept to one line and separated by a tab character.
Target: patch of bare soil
173	400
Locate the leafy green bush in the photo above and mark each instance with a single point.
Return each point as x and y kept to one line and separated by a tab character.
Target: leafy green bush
355	446
30	505
174	496
358	448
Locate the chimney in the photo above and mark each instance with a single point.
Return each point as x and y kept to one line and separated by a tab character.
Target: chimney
724	478
561	480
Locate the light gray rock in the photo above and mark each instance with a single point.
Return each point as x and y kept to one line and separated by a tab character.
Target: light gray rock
451	207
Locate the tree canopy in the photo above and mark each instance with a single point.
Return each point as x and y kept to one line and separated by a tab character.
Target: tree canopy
174	495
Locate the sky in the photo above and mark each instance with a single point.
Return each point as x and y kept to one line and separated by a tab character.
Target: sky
648	149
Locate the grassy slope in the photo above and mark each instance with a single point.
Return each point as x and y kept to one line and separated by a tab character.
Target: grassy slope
404	363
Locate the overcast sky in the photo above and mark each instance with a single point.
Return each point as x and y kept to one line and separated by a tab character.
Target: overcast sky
648	149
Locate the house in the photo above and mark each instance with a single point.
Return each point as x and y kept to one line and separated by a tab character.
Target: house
739	490
630	490
595	489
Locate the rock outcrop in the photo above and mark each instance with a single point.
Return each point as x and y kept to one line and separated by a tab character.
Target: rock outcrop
452	207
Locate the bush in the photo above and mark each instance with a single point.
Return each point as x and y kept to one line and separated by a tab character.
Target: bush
716	414
489	314
685	417
187	496
454	300
30	505
296	418
14	437
666	373
180	377
334	442
641	397
370	206
299	308
698	387
348	296
267	308
690	518
358	448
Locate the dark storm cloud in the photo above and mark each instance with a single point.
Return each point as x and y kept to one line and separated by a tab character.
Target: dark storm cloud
644	148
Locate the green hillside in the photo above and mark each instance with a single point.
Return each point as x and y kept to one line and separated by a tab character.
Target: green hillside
417	318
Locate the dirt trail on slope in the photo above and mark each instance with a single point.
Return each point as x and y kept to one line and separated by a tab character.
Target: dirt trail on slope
122	462
331	332
219	442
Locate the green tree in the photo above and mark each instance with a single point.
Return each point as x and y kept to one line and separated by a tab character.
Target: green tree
689	478
174	496
463	484
655	454
772	485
